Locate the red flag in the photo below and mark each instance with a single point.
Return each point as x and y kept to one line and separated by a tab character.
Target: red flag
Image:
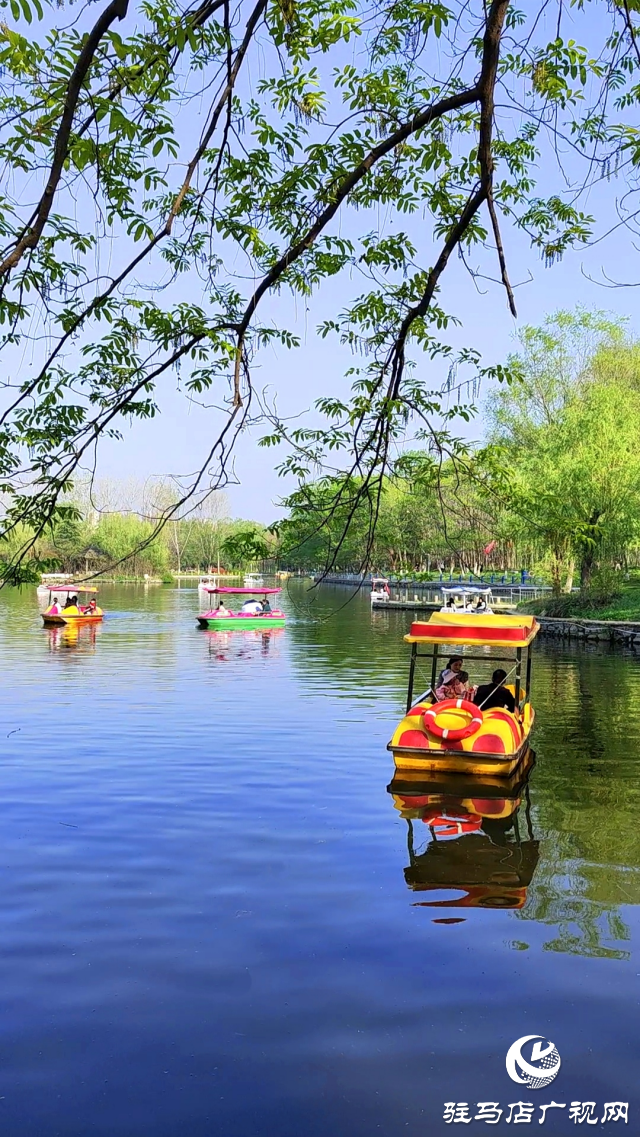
489	548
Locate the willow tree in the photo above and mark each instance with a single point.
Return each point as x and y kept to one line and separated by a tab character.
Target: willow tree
567	463
166	167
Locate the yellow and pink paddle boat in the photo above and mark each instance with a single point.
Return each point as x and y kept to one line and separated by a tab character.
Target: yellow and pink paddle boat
64	607
262	616
456	735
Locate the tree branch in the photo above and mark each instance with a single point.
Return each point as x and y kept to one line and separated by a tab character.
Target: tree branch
501	257
116	10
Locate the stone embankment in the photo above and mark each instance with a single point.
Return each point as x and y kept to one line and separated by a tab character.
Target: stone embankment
625	632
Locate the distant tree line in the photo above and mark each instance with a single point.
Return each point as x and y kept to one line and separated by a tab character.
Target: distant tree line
111	528
554	486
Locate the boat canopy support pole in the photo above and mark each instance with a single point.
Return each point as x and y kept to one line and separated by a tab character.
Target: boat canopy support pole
412	668
518	674
527	811
527	697
434	669
410	847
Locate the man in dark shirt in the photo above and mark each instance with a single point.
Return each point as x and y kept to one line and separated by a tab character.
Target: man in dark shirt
493	694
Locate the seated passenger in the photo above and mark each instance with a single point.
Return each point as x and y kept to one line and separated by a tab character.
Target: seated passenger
90	609
53	609
221	610
70	602
266	607
493	694
453	667
251	608
455	687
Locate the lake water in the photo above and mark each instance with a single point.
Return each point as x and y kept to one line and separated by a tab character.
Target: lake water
205	921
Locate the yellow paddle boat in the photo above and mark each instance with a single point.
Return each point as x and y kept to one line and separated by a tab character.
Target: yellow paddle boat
456	735
64	607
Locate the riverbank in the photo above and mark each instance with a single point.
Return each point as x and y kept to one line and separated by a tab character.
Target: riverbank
624	632
623	607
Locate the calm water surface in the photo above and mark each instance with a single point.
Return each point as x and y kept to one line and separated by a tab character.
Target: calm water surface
206	919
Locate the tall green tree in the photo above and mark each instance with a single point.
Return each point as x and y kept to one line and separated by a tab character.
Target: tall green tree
567	437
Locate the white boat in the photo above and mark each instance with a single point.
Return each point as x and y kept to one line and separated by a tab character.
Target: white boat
49	580
253	580
209	581
380	589
467	598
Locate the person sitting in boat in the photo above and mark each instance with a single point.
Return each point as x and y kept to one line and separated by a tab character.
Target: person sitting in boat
90	609
70	602
452	668
53	609
456	687
266	607
251	608
494	694
221	610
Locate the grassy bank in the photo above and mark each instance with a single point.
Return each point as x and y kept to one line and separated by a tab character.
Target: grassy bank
623	606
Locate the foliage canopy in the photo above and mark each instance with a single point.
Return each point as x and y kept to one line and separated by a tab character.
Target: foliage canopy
168	166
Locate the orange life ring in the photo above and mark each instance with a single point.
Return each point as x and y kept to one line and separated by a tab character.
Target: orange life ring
454	826
430	718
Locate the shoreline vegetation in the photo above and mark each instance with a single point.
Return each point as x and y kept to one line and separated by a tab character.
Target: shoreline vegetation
623	604
110	535
553	488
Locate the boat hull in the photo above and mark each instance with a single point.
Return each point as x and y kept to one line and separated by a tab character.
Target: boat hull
496	749
240	623
64	621
408	781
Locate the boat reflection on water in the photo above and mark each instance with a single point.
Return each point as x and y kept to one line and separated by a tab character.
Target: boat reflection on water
479	838
72	637
243	643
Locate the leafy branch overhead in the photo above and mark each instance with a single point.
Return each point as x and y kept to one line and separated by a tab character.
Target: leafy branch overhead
167	167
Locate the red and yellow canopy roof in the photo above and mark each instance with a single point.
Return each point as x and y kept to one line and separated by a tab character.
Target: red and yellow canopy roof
478	631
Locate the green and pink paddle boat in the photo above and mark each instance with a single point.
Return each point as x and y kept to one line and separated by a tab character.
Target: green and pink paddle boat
258	614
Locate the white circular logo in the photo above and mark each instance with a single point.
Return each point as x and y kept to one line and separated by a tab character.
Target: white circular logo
541	1066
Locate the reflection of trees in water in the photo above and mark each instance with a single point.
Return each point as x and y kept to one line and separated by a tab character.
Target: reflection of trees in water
345	642
583	926
587	798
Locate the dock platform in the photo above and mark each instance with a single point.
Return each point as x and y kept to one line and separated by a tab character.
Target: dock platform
505	606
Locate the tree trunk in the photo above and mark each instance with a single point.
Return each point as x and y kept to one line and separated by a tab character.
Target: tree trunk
556	564
589	555
586	569
568	585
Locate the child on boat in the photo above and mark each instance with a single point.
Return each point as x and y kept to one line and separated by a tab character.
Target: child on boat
453	668
455	685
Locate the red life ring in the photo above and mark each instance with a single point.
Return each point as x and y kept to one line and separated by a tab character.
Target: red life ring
430	717
454	826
